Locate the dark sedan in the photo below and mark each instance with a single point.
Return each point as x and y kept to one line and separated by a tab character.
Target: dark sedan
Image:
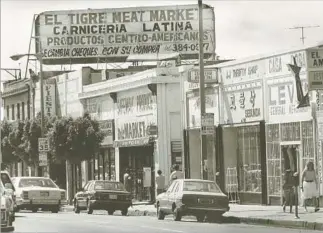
103	195
200	198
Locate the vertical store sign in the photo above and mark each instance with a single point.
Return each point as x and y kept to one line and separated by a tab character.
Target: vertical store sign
50	97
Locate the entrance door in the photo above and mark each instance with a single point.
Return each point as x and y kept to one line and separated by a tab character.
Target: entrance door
291	160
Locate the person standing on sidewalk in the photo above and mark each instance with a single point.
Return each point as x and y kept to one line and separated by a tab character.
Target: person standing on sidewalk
176	174
289	194
127	180
310	185
160	182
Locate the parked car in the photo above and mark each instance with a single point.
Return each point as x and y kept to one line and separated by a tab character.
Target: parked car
33	193
7	183
200	198
7	209
103	195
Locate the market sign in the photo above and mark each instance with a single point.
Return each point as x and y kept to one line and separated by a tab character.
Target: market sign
315	69
315	58
210	76
111	35
315	80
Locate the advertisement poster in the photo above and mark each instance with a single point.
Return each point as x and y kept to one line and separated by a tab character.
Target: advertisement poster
86	36
147	177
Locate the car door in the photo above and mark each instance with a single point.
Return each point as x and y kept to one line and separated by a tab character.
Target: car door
81	196
171	196
163	201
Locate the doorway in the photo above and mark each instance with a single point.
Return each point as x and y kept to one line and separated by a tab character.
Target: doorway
291	160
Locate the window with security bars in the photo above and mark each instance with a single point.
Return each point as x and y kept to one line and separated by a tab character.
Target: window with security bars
273	160
249	159
307	143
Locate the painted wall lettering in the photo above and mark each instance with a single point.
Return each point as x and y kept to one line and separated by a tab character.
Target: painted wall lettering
132	130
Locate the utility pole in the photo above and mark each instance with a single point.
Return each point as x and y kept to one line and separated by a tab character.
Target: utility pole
202	89
302	30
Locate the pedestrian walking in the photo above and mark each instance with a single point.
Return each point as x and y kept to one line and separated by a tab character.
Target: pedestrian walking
289	194
127	180
176	174
160	182
310	186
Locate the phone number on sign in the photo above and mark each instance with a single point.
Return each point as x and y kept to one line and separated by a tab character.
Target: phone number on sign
189	47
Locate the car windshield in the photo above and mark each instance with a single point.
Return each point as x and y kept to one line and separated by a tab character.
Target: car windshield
105	185
41	182
201	186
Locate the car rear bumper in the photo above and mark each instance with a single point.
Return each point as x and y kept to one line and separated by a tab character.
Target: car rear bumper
22	204
110	204
205	210
7	229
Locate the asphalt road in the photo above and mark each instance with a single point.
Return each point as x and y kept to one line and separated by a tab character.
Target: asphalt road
102	222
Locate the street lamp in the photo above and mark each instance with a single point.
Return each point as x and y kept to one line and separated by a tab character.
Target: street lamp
39	56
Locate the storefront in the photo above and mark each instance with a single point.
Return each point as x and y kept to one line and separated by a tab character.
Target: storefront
102	166
192	132
147	123
242	123
290	131
135	113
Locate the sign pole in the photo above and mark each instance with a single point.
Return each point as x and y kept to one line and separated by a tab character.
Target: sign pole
202	89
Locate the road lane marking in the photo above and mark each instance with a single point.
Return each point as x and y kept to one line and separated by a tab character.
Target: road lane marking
161	229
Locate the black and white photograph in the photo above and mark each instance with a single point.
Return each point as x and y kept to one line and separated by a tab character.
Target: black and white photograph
161	116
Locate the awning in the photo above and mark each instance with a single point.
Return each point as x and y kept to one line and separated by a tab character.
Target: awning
133	142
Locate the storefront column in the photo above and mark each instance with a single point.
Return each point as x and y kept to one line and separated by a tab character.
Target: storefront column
186	155
20	172
117	163
219	158
263	162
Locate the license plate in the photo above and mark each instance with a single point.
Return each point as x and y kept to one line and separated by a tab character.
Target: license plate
114	197
44	194
205	201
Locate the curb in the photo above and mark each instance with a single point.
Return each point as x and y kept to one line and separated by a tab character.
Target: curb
298	224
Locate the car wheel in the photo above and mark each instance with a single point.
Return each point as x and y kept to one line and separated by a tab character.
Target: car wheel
34	210
160	214
200	217
177	215
55	209
76	208
89	208
124	212
110	212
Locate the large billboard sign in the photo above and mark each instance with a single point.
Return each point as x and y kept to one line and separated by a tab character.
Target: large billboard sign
111	35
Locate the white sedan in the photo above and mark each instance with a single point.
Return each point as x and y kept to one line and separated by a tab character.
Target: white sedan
33	193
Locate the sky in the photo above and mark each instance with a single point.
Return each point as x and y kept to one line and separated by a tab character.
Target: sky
243	28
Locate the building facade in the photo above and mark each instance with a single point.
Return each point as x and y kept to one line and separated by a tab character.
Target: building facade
146	123
261	131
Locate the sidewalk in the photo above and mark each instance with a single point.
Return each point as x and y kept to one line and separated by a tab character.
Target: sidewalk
250	214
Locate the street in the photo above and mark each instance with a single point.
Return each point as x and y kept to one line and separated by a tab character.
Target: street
101	222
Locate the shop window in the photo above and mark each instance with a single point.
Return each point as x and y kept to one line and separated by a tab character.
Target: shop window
249	159
18	111
13	112
8	112
109	164
176	147
273	160
23	110
307	143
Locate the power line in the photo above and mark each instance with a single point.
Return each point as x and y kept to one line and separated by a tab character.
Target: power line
302	30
